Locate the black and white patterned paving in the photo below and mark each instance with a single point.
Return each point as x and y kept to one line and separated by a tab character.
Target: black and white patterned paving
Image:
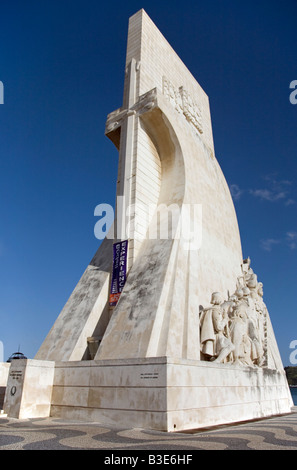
278	433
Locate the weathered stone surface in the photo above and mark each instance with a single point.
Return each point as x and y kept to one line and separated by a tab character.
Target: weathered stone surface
167	394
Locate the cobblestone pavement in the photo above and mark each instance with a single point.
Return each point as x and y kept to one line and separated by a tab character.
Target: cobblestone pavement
278	433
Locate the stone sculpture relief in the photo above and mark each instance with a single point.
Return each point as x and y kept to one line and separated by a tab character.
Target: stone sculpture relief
183	103
234	330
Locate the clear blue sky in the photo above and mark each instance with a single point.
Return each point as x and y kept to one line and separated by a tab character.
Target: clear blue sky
62	66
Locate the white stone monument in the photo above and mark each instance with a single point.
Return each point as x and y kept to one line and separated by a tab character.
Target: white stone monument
187	342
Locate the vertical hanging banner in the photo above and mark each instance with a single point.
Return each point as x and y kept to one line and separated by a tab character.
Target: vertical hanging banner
119	271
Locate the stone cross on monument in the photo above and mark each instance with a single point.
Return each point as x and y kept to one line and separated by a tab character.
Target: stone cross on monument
189	343
126	120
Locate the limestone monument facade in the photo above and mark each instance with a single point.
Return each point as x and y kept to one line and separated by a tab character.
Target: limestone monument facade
167	327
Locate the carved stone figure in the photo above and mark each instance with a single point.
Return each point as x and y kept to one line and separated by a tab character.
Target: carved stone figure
215	338
234	330
239	334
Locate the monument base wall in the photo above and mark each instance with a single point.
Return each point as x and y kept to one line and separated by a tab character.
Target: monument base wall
29	389
4	371
167	394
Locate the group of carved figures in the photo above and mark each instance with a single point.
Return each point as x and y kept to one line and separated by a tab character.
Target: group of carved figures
234	330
